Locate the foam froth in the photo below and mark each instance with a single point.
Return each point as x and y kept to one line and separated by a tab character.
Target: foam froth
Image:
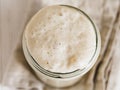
61	39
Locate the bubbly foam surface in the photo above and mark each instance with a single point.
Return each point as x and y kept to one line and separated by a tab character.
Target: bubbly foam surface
60	39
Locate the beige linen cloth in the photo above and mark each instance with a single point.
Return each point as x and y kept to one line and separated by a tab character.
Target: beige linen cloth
16	74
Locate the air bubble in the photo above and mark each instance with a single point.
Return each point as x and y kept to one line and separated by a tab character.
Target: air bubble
60	14
59	43
47	62
48	53
49	18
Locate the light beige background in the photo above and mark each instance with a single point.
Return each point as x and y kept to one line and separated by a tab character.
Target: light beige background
15	73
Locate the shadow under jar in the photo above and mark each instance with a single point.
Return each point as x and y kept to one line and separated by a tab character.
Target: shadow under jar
71	21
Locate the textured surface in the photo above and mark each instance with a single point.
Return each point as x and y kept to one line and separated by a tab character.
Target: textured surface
61	39
15	73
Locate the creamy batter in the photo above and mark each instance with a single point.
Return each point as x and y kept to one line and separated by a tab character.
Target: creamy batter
61	39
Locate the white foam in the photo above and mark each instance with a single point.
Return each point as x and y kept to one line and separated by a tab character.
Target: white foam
61	39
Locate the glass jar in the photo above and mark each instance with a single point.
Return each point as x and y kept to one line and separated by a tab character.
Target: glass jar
62	79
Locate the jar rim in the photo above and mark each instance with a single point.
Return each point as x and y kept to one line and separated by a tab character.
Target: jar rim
74	73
